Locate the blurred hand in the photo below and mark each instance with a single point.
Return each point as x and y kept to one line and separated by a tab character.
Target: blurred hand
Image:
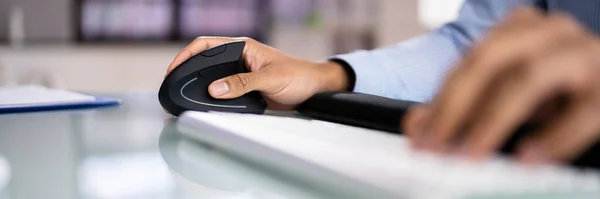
521	69
284	81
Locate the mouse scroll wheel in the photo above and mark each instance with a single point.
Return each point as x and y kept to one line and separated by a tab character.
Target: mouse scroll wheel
214	51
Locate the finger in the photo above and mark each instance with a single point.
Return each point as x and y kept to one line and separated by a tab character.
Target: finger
511	104
566	138
237	85
414	120
521	16
466	87
518	97
578	127
198	45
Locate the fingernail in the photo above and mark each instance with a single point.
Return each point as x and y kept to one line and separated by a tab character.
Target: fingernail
219	88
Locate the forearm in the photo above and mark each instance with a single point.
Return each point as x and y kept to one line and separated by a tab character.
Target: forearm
410	70
413	70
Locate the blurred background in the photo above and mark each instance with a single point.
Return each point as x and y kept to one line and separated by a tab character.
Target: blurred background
113	46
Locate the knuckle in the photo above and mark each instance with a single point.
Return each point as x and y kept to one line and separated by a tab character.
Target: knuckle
585	71
565	25
250	42
207	37
583	78
487	51
246	39
201	38
578	84
243	81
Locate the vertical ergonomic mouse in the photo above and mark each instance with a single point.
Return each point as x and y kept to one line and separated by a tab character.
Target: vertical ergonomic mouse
186	87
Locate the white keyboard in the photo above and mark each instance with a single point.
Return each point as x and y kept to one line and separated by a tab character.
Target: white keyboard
21	96
4	173
382	159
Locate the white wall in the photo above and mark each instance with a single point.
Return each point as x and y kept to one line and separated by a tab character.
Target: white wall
398	21
94	68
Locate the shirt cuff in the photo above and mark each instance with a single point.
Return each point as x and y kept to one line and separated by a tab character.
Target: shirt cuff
367	78
350	74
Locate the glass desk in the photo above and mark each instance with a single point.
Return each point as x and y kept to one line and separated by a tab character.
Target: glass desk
135	151
131	151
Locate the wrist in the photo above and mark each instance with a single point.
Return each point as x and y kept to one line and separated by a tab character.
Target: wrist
333	77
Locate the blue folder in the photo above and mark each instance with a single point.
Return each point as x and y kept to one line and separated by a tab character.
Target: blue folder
99	102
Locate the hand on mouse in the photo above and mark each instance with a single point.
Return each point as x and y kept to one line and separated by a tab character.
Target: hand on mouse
283	80
529	61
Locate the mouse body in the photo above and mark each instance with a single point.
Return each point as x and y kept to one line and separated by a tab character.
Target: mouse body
186	87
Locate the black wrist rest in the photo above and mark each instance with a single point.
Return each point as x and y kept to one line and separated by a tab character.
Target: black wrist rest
357	109
385	114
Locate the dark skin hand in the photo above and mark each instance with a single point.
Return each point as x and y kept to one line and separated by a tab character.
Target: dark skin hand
519	72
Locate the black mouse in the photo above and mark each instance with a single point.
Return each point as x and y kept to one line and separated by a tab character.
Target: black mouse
186	87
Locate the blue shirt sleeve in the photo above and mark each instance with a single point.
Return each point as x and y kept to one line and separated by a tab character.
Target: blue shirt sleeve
414	69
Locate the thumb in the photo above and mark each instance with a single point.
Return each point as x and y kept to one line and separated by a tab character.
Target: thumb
236	85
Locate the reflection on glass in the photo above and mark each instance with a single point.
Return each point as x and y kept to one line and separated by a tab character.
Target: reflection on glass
218	178
4	176
139	175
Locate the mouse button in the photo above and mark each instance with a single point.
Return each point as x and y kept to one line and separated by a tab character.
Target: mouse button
236	47
218	72
214	51
235	67
190	67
